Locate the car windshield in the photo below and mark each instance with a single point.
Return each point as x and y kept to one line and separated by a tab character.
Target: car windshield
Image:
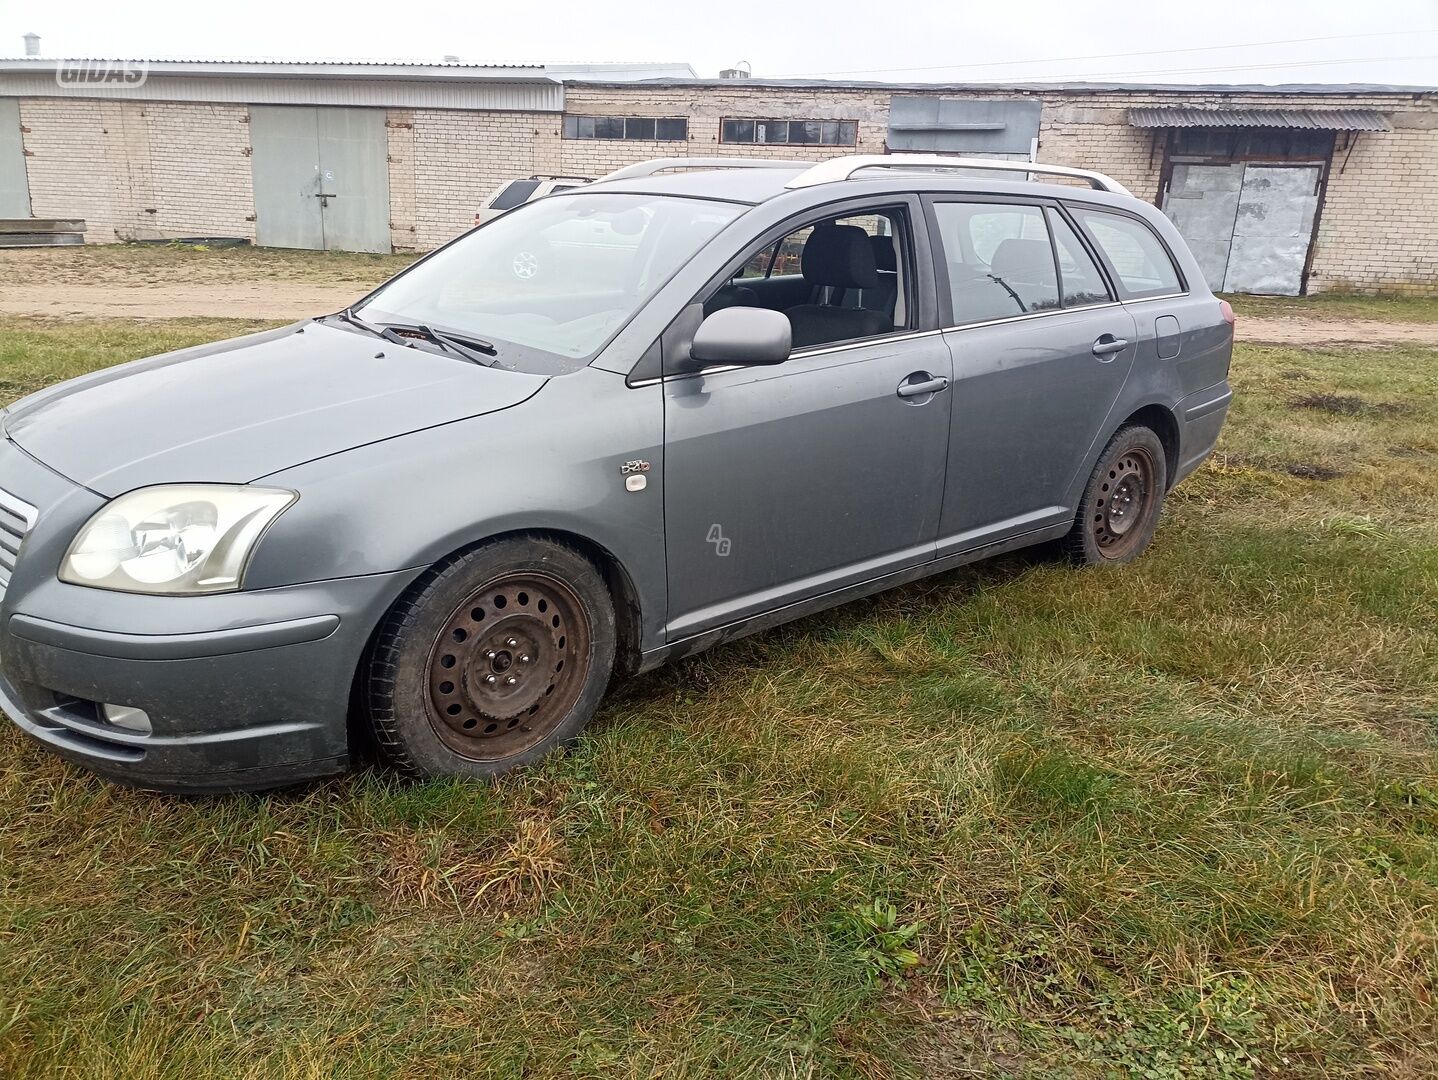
550	282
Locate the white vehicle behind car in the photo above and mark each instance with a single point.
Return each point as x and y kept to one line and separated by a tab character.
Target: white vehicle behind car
514	193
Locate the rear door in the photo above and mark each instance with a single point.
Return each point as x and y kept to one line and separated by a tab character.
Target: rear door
1041	349
1179	327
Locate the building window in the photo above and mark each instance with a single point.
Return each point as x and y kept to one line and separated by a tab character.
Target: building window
1244	144
790	132
630	128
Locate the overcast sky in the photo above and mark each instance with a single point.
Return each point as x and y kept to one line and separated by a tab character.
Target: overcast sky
1231	41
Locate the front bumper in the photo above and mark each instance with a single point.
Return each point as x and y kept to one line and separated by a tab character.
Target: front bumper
243	690
260	702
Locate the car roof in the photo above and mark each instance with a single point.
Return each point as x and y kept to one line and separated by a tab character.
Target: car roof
732	185
756	185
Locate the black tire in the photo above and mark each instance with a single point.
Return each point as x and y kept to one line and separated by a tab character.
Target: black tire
1122	501
491	660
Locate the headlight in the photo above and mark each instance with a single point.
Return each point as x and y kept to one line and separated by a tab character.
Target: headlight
174	540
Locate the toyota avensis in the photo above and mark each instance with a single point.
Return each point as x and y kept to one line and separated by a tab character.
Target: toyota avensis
740	392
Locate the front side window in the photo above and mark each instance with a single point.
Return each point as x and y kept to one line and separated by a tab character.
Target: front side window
840	279
1137	256
550	282
999	258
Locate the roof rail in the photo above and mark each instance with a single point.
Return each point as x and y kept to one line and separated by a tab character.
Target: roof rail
843	168
658	165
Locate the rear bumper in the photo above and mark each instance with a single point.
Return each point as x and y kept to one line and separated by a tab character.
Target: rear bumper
261	700
1200	417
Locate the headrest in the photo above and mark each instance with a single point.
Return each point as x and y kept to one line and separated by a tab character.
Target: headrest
885	257
1024	260
839	255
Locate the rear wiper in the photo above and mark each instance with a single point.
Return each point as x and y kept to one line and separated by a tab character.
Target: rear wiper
473	349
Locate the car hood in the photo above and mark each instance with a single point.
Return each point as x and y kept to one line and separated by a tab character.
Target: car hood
235	411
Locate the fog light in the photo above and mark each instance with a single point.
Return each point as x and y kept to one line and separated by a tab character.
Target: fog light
127	717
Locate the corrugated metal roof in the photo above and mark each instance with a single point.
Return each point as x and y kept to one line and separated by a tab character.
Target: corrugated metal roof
1173	116
1186	89
323	69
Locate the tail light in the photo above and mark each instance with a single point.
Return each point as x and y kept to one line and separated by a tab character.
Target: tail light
1226	310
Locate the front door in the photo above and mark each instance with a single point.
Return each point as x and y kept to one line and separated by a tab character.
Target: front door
1041	350
321	178
785	483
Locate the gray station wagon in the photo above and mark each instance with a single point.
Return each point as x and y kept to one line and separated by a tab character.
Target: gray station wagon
448	515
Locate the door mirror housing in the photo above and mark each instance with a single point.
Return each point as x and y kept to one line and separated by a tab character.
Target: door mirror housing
748	336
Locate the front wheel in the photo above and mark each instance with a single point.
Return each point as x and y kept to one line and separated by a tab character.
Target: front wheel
1121	503
492	659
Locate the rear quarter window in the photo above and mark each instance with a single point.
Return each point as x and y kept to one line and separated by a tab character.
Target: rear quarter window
1137	256
513	195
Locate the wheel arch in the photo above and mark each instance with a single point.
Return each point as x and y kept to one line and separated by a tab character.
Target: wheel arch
1159	419
623	593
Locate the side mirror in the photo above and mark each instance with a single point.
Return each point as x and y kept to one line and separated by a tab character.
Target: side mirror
749	336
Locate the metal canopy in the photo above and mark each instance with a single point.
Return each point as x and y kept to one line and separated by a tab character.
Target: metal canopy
1175	116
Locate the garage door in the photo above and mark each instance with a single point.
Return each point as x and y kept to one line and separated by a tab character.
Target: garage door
321	178
14	188
1248	224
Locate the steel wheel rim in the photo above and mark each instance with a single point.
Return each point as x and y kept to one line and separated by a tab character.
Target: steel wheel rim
508	666
1124	498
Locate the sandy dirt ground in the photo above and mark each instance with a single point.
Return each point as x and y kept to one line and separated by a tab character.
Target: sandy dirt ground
148	283
228	300
1350	333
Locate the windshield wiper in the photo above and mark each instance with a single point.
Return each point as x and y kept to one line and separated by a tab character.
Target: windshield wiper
385	332
472	349
1017	299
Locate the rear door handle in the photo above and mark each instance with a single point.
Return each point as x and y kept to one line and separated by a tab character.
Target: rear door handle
921	383
1108	345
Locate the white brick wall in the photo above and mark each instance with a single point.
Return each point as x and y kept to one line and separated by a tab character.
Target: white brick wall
70	175
139	170
148	169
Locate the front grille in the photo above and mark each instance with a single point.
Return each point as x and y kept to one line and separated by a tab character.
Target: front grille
17	517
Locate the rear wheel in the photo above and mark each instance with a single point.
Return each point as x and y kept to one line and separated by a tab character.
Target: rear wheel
1121	503
492	660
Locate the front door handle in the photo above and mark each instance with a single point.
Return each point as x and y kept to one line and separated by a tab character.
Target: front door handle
921	384
1108	345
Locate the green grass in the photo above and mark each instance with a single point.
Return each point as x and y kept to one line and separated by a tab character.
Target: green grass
1179	820
1401	309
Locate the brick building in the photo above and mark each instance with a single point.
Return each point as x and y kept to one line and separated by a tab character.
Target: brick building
1279	189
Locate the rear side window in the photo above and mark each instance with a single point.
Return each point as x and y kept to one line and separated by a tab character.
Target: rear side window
514	194
1000	261
1079	278
1137	256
